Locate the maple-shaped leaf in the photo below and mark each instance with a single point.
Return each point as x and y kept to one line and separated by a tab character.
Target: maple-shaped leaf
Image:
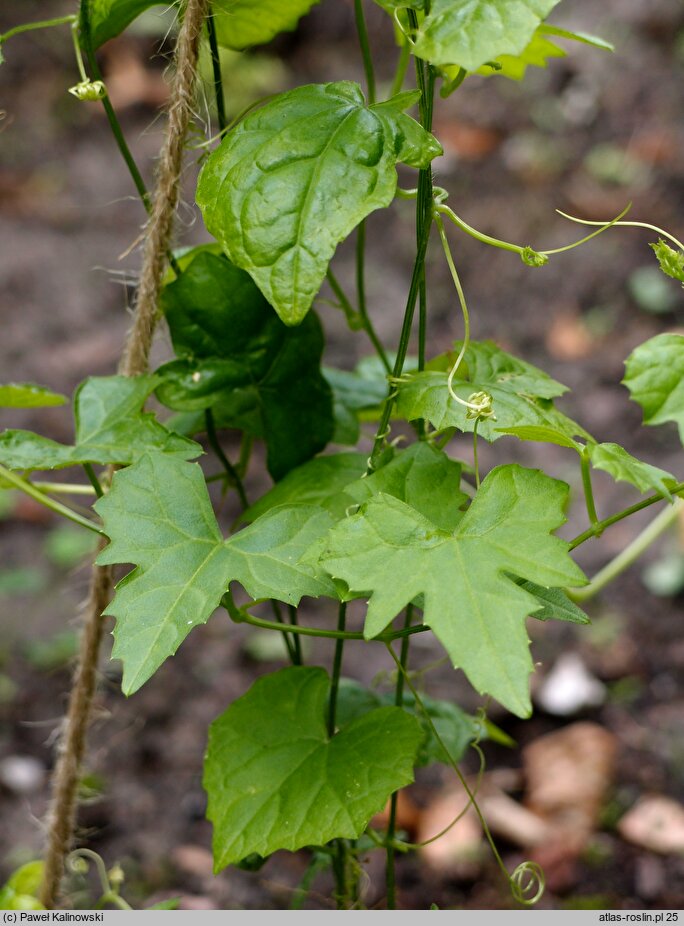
521	394
158	516
471	602
110	428
623	467
423	477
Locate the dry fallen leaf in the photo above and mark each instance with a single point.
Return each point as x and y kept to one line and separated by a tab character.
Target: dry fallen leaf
568	338
656	823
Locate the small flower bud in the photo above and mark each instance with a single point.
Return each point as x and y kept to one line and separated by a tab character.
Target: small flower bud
480	405
533	258
89	90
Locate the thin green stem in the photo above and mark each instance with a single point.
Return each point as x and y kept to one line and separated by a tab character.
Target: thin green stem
275	607
77	52
231	476
29	489
114	124
361	296
630	554
340	845
39	24
94	481
337	667
423	224
514	879
364	45
353	318
599	231
63	488
474	233
476	464
402	68
597	529
588	491
216	68
239	615
621	224
246	446
296	641
113	120
390	868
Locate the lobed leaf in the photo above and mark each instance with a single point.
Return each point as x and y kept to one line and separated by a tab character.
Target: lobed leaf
296	176
655	379
394	554
110	428
276	780
622	466
555	605
237	358
320	482
423	477
521	396
158	516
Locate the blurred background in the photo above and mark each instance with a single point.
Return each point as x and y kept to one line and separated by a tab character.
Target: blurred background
588	135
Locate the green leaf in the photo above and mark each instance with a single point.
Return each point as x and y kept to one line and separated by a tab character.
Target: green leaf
456	729
276	780
623	467
241	23
158	516
655	379
320	482
240	360
543	434
109	18
28	878
110	428
423	477
671	261
353	392
537	52
393	553
29	395
297	175
521	394
555	605
470	32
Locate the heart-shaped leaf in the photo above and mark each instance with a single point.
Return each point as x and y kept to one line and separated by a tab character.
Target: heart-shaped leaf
297	175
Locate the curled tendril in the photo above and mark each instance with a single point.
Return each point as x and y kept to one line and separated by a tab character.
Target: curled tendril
89	90
527	883
78	862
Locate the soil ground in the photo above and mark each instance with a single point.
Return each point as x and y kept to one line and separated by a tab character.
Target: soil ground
592	133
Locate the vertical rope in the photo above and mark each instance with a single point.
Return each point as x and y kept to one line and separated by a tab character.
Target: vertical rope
62	812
